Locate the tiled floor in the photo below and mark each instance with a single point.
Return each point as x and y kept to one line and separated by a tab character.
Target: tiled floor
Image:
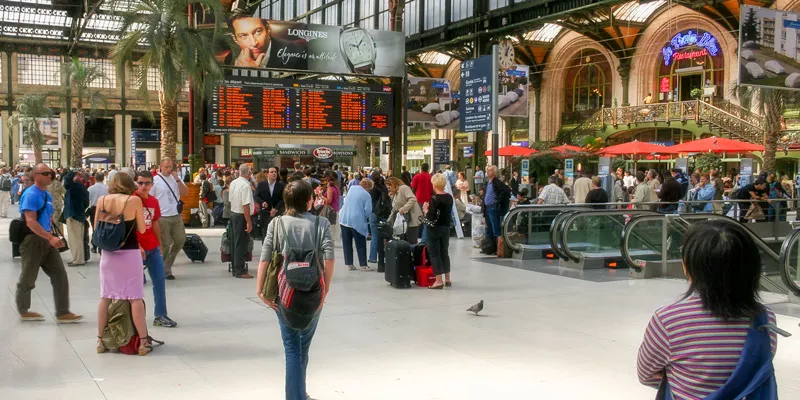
541	336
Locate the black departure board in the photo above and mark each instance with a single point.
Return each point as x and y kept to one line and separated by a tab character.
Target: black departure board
287	106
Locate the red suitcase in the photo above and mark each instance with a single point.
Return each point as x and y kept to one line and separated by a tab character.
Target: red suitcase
424	276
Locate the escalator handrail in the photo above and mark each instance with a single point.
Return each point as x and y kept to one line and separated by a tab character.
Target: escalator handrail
517	247
625	235
564	231
784	260
555	231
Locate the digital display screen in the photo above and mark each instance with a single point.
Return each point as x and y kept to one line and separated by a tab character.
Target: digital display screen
287	106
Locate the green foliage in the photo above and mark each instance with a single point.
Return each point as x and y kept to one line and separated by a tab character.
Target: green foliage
696	93
707	161
617	162
30	108
81	78
543	166
750	27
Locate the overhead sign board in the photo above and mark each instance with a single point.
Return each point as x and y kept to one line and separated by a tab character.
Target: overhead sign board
430	103
513	97
476	84
298	46
768	52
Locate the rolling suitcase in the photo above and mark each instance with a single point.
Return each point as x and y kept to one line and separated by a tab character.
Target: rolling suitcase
398	264
194	248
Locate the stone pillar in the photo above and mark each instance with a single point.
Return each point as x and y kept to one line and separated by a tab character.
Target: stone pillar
536	81
624	70
6	141
119	137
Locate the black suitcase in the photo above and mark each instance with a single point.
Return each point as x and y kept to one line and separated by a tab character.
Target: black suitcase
398	264
488	246
194	248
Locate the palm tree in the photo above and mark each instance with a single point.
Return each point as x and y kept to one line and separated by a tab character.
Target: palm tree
80	79
30	109
157	32
770	103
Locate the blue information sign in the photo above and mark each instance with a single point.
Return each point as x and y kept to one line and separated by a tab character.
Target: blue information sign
476	98
140	158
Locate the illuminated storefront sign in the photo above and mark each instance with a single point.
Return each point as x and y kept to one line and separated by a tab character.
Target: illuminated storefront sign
664	86
706	41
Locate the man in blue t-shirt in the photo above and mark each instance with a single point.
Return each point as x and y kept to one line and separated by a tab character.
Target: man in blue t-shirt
39	249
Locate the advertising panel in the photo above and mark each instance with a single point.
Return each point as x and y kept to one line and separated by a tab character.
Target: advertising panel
430	103
51	133
290	45
768	48
513	97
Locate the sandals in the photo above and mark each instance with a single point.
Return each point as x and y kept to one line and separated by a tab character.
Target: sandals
436	287
146	345
448	284
101	347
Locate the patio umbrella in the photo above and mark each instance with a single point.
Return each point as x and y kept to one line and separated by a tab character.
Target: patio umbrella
634	148
715	145
566	148
512	151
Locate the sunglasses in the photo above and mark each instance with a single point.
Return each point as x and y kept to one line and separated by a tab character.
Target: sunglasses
51	174
140	183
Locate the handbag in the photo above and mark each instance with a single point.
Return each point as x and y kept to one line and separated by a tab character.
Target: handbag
57	233
754	212
180	202
399	226
270	288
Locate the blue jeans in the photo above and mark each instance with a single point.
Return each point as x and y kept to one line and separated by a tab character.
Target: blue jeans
155	266
348	236
376	237
492	223
295	345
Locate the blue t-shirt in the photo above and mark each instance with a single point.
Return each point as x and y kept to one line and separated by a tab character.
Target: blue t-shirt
33	199
490	198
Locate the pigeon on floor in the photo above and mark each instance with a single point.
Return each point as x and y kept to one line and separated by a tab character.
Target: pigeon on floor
476	308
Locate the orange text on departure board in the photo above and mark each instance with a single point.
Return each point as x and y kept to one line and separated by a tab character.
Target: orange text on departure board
353	112
314	110
379	121
275	109
233	108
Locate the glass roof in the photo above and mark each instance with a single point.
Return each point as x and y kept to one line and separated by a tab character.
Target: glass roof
434	58
545	34
634	11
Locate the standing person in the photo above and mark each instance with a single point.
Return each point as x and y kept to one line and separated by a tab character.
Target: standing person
75	204
496	203
423	189
654	183
629	180
642	194
514	184
121	269
58	193
112	170
150	247
95	191
39	249
353	219
5	192
669	195
451	177
226	198
297	333
478	179
205	189
581	187
438	213
648	99
168	189
710	341
704	191
269	194
463	188
404	203
682	180
597	195
333	199
405	176
380	197
241	197
15	177
552	194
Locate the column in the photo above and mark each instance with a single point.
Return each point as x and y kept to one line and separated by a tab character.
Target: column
624	70
65	144
119	137
4	138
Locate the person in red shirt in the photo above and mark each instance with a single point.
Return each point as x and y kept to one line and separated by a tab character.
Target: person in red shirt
423	189
150	246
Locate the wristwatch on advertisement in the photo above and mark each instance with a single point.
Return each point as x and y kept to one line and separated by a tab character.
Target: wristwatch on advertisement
358	50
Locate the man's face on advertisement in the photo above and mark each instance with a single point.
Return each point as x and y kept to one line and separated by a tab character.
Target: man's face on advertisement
251	35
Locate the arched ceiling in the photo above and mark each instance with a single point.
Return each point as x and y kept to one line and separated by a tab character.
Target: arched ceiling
616	27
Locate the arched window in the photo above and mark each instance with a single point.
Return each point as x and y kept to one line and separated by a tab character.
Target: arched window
587	86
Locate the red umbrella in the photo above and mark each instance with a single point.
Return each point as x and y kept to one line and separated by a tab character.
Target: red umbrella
512	151
715	145
566	148
634	148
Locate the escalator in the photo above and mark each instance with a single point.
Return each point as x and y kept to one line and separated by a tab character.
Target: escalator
664	233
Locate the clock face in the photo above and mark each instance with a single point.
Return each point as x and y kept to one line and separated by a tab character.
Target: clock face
358	46
506	56
379	104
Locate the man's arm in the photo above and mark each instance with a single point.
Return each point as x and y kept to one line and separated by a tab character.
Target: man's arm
157	231
38	230
247	218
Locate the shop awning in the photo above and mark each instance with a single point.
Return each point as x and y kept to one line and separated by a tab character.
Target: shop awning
715	145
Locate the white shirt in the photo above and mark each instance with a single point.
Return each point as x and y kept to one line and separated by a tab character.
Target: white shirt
95	191
166	199
240	195
111	174
478	177
629	181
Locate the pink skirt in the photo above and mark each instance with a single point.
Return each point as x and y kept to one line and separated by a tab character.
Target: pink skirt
121	276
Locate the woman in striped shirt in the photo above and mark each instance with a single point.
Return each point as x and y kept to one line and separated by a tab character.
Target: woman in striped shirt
698	341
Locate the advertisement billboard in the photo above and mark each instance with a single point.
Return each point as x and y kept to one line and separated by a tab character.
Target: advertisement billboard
513	97
430	103
51	133
768	48
299	46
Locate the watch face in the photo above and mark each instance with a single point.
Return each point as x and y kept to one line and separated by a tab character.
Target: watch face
358	47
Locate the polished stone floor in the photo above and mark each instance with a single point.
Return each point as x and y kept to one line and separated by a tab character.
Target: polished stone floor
543	335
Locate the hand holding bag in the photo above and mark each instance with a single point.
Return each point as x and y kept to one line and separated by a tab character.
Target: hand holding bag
399	226
754	212
270	288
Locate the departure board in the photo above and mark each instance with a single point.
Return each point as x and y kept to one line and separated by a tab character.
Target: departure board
286	106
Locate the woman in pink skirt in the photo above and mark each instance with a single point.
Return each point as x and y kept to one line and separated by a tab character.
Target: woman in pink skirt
121	270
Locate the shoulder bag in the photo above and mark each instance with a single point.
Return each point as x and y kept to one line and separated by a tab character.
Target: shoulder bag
180	203
270	287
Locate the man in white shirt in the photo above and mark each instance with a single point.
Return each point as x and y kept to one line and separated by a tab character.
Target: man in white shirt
112	170
95	191
629	180
168	189
241	198
581	187
478	178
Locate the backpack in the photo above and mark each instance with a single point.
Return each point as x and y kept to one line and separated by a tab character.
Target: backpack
109	235
300	281
18	228
211	195
5	183
383	207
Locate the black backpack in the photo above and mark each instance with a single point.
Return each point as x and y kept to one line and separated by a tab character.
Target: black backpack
383	207
300	281
5	183
109	234
211	195
18	228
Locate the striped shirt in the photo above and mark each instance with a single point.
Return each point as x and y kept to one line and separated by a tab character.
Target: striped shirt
698	351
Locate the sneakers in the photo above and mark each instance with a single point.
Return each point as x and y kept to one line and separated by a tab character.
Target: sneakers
244	276
69	318
351	268
31	316
165	322
170	277
366	268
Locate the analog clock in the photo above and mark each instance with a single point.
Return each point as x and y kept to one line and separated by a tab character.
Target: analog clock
506	54
379	104
358	49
